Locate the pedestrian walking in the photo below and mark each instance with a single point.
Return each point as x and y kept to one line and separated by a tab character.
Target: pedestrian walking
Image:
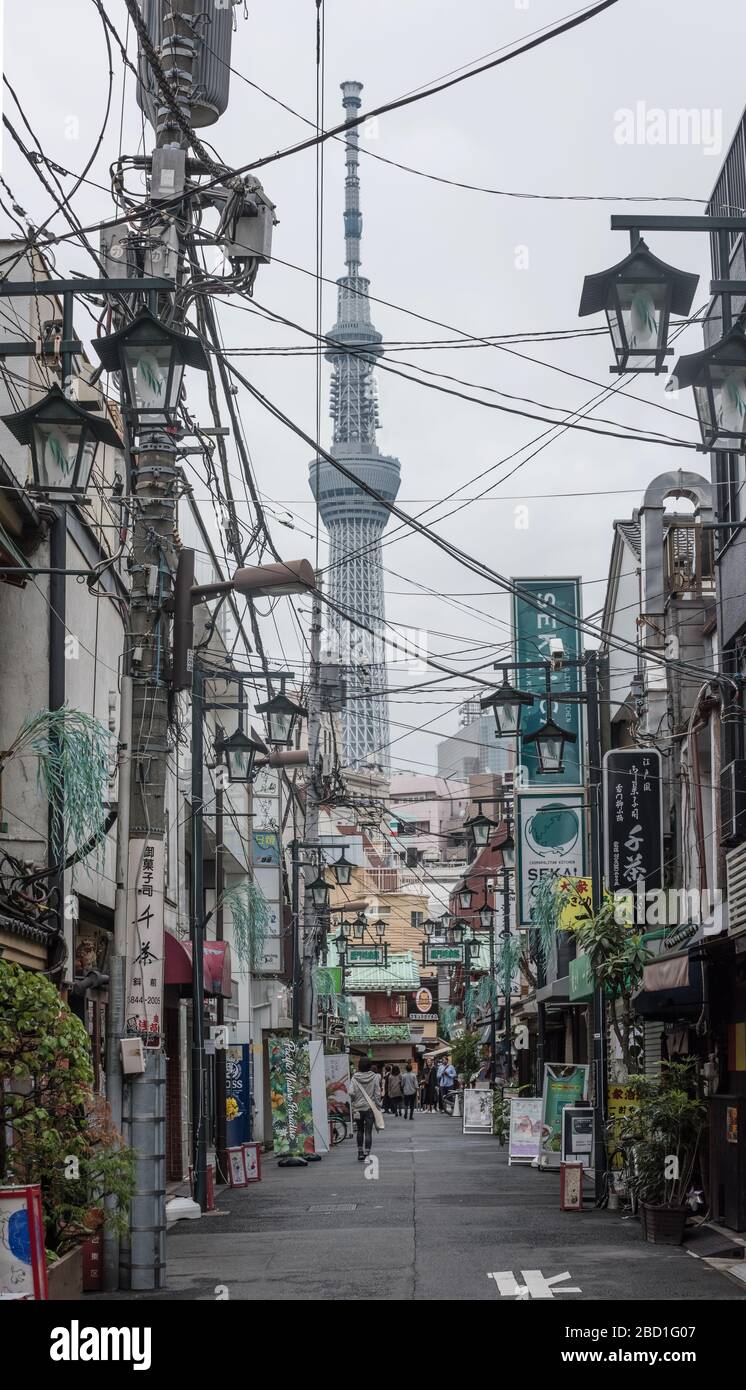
365	1099
431	1089
446	1080
395	1091
385	1090
409	1087
422	1084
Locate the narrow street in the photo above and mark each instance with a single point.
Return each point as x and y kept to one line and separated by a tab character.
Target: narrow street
444	1213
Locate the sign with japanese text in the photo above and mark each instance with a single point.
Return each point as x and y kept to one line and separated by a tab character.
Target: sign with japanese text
551	840
365	955
266	854
544	609
444	955
145	940
633	819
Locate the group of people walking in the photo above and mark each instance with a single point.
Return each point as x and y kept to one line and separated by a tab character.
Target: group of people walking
375	1092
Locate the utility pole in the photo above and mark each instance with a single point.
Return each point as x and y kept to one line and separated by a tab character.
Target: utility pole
308	935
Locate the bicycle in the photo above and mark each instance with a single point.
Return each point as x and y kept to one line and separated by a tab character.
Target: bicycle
338	1127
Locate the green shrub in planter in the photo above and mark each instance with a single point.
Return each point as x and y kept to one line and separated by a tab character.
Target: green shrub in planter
59	1130
664	1133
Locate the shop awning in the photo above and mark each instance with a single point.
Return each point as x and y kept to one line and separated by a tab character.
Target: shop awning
217	965
671	987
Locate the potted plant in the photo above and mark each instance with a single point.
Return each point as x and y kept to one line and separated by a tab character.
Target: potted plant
466	1055
664	1132
56	1131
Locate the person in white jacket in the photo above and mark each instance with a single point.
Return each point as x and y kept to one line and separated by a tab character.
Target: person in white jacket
365	1093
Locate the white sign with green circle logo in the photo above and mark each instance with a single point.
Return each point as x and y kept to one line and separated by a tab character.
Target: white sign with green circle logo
551	840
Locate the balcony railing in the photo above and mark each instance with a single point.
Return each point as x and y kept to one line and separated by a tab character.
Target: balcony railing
689	559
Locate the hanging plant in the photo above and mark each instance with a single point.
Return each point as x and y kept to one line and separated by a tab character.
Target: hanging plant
507	962
448	1016
250	913
547	901
73	750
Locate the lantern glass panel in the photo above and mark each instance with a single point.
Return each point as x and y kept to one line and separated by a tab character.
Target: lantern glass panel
729	400
480	829
485	917
148	369
507	717
320	893
342	872
240	763
56	449
550	747
638	322
508	853
279	723
359	927
465	897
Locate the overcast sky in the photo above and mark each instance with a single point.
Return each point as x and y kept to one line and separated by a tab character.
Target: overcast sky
548	123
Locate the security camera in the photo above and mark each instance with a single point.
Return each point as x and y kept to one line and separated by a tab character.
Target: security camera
556	652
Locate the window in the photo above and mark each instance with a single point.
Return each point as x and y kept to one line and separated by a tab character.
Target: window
416	918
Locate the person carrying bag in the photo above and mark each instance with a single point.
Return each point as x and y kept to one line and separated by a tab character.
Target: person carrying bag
365	1098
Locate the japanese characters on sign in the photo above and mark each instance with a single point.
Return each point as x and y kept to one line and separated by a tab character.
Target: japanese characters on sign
145	940
543	609
265	857
633	815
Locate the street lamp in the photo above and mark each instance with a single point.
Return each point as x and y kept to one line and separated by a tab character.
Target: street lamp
319	891
485	917
507	705
457	933
474	946
507	848
282	715
380	928
62	437
549	742
239	751
480	827
465	896
718	376
342	869
638	295
429	926
151	358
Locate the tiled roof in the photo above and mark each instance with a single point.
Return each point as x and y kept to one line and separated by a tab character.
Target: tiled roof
401	975
632	533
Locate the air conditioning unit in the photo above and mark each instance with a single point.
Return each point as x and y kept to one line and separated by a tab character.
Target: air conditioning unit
733	802
735	875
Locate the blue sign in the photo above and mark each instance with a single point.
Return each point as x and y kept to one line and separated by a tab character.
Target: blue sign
237	1095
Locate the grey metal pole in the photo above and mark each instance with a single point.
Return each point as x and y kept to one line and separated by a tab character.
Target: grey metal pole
297	974
117	961
197	933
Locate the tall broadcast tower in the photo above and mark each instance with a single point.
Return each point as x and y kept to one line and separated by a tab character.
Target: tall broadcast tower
354	520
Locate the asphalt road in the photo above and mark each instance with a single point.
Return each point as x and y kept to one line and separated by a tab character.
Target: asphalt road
442	1215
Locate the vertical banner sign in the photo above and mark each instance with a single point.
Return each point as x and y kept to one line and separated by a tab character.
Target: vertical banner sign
337	1070
237	1095
290	1092
2	84
318	1096
525	1129
534	624
145	940
633	819
551	840
266	865
563	1085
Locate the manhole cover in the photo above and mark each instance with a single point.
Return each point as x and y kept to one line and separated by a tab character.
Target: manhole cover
342	1206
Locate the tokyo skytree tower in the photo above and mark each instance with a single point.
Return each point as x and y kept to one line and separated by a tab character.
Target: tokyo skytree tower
356	522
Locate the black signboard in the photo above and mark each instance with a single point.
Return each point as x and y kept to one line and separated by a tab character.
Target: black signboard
633	819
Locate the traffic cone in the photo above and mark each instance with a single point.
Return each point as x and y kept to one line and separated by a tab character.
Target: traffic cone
456	1106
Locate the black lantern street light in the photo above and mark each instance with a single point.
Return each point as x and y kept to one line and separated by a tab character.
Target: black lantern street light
429	927
480	827
465	896
638	296
62	438
359	926
151	358
342	869
319	890
240	751
456	932
507	705
507	846
549	742
718	377
380	928
282	715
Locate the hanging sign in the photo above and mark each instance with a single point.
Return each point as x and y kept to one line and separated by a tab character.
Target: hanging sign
145	940
290	1091
551	840
443	955
524	1134
266	865
544	609
633	819
563	1085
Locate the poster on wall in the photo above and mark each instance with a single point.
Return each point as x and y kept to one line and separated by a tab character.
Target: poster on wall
524	1135
266	855
477	1111
337	1072
237	1095
23	1265
145	940
563	1085
290	1095
551	840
